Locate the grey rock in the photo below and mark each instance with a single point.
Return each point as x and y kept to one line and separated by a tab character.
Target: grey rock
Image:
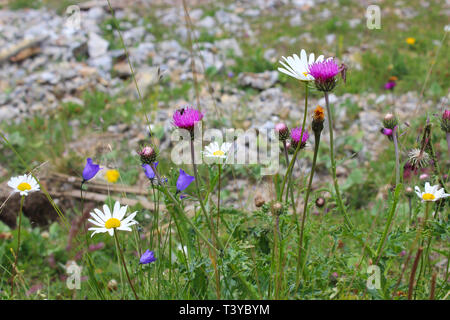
296	20
207	23
97	46
259	81
226	45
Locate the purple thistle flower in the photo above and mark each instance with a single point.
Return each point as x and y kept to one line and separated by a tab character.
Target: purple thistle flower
390	85
324	73
296	133
90	170
184	180
186	118
149	171
387	132
147	257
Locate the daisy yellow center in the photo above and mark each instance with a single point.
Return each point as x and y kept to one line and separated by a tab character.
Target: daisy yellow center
305	74
218	153
112	223
428	196
24	186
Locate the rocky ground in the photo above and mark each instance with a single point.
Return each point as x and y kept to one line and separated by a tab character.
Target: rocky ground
45	62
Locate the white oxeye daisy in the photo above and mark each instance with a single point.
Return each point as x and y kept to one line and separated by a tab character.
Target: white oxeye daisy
299	67
431	193
23	184
107	222
214	151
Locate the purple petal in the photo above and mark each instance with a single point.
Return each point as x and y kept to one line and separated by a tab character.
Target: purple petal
184	180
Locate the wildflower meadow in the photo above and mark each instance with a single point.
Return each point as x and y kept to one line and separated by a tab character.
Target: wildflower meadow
224	150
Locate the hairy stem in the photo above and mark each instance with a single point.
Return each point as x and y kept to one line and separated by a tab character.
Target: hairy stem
333	166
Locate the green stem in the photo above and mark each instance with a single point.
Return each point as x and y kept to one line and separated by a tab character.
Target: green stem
389	220
305	205
22	199
333	165
199	196
397	161
124	264
291	164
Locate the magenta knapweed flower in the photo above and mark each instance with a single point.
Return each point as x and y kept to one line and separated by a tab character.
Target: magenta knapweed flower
390	85
296	134
387	132
186	118
324	73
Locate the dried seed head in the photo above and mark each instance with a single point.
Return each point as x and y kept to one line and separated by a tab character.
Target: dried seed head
418	158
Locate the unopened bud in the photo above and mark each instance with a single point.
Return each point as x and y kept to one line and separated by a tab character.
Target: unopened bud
148	155
445	121
259	201
390	121
320	202
282	130
277	208
112	285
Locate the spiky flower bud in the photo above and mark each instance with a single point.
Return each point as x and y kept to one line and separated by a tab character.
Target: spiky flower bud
445	121
418	158
390	121
148	155
259	201
318	119
277	208
282	130
409	191
320	202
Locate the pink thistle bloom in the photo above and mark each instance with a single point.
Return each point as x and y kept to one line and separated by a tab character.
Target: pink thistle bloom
186	118
446	115
390	85
324	73
387	132
296	133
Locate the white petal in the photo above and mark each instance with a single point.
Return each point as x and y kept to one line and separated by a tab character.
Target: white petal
107	212
96	223
100	215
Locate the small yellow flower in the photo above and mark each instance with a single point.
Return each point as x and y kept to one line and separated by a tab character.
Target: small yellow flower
410	41
112	175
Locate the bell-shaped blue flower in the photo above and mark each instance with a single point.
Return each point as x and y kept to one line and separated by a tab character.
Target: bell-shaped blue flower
149	171
90	170
184	180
